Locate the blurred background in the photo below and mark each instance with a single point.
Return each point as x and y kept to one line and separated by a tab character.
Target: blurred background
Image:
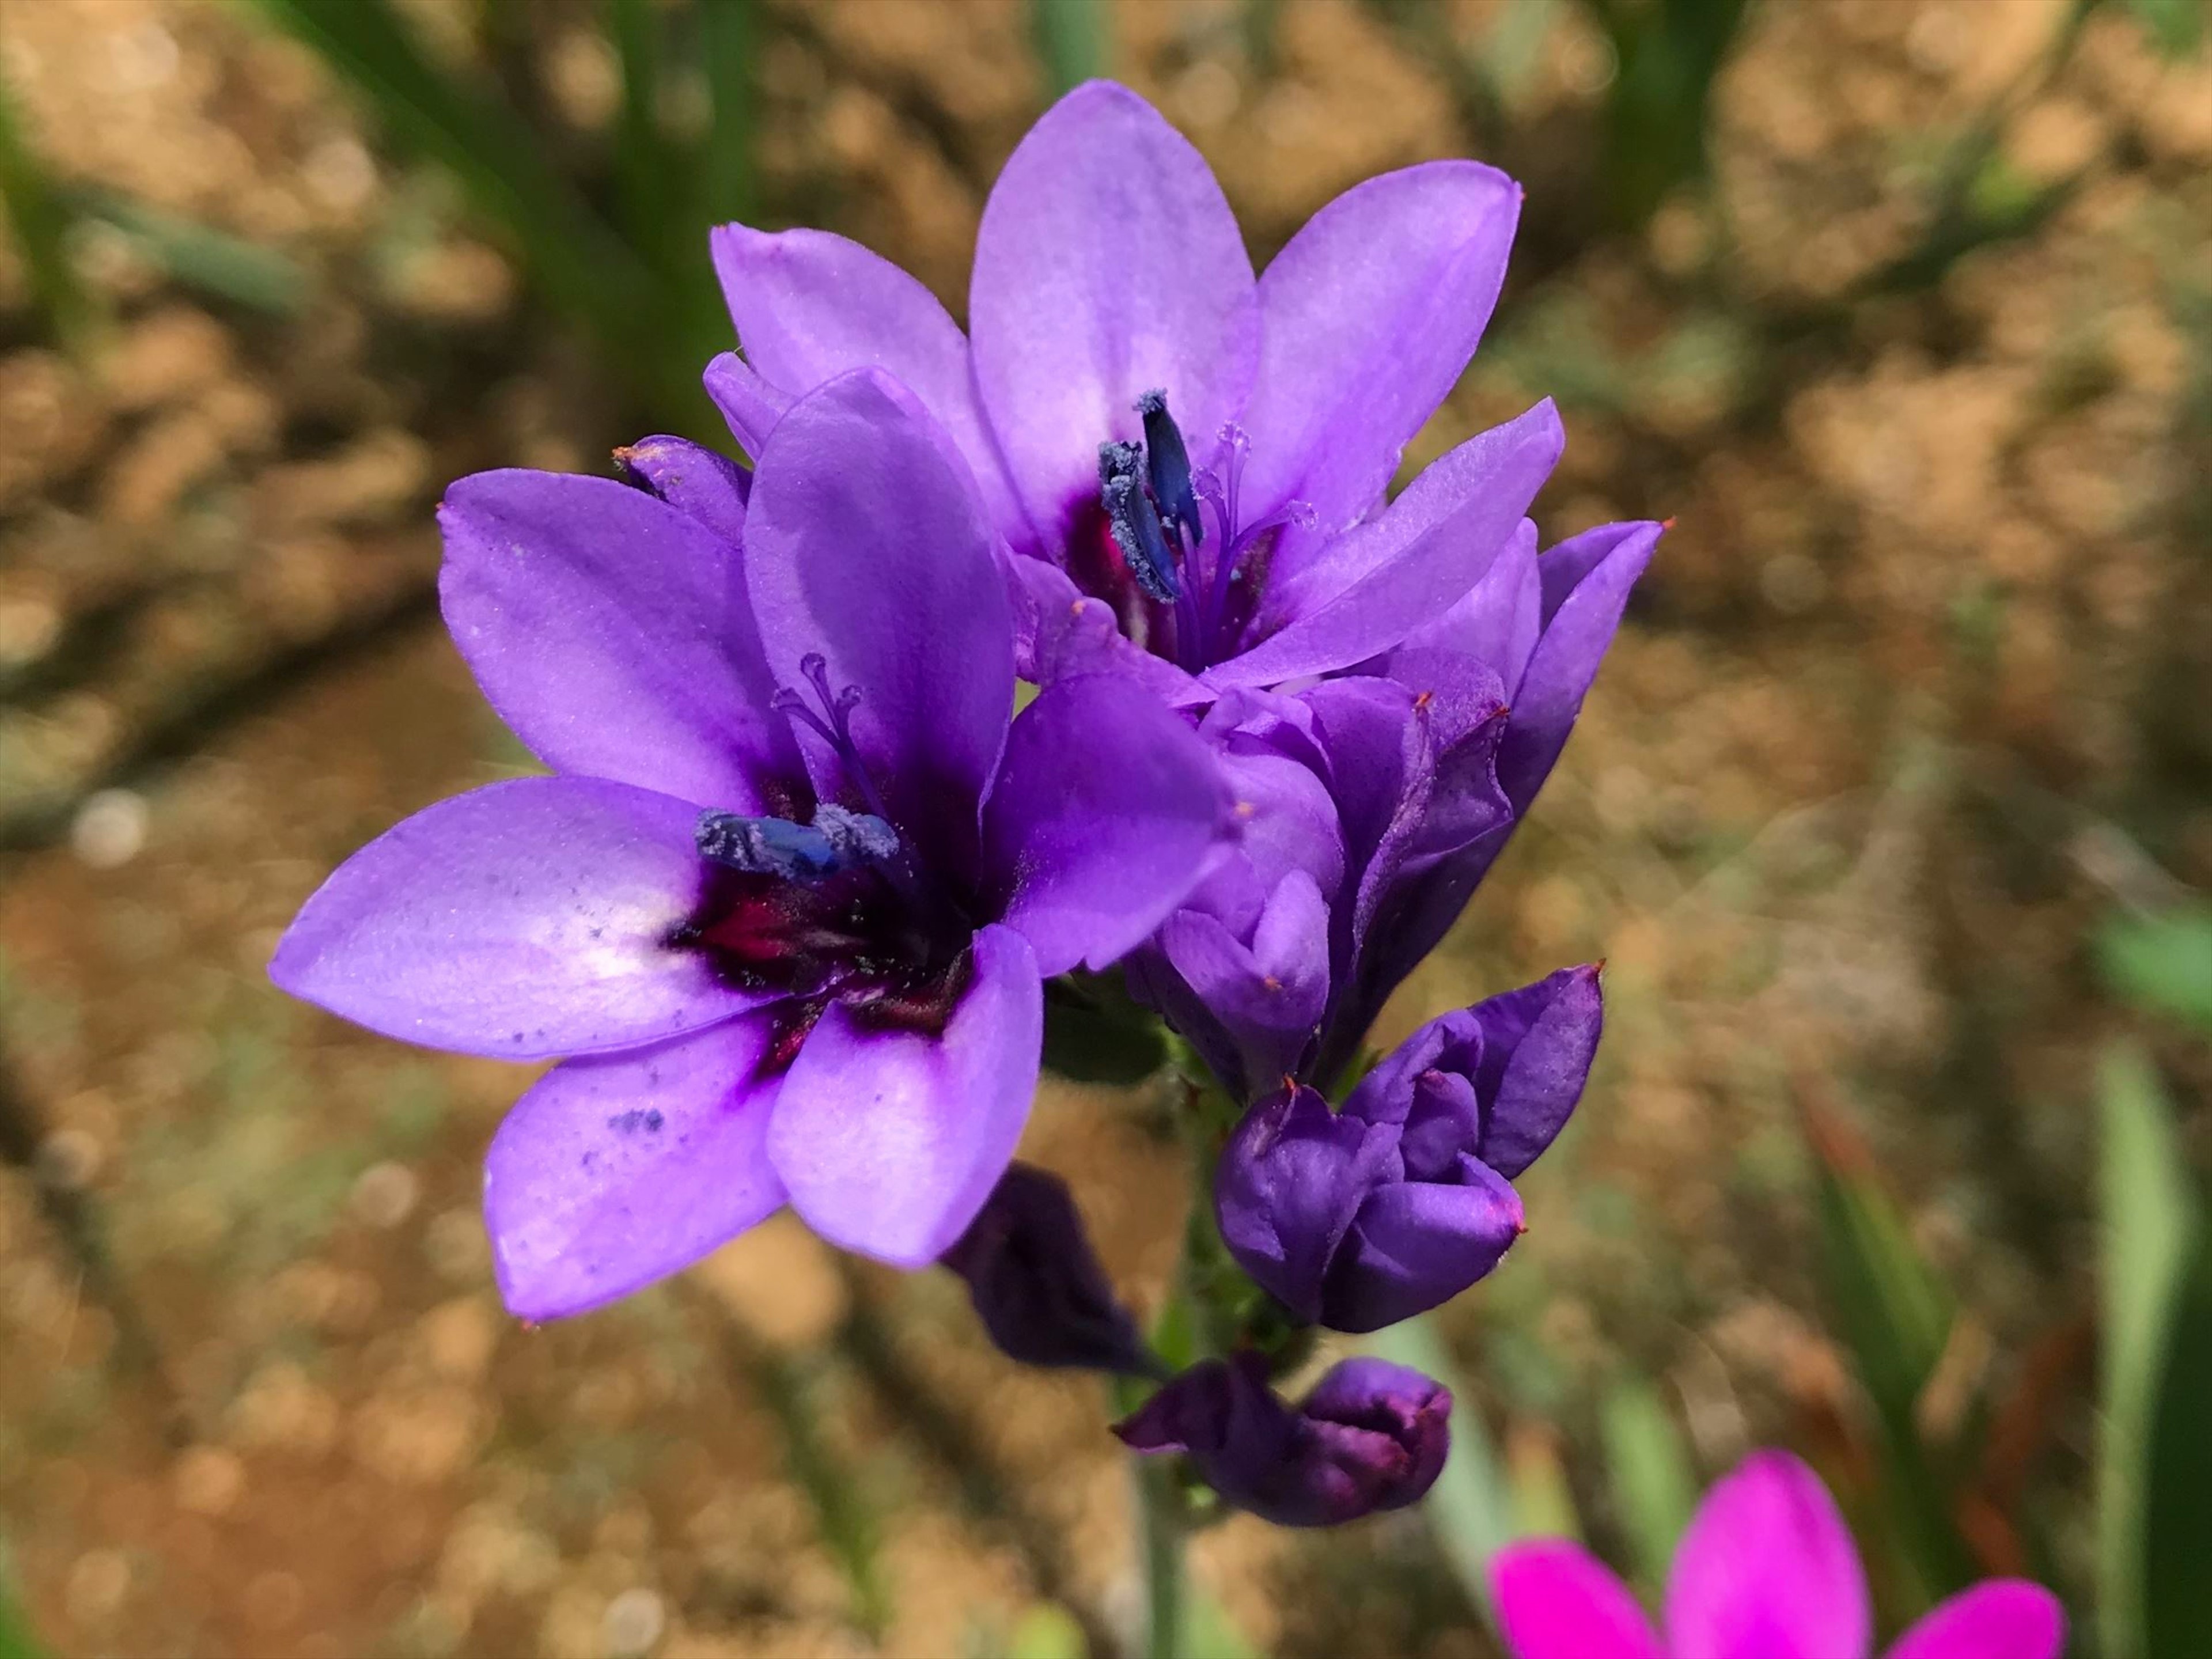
1892	814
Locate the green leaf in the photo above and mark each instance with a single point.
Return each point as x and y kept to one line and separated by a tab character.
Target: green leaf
572	254
39	223
1208	1632
1071	37
844	1517
1046	1629
2177	24
2162	962
729	33
1653	1485
2151	1224
2177	1520
1094	1033
1894	1318
16	1641
645	169
201	257
1471	1509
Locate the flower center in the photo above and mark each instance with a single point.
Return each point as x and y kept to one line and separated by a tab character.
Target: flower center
833	909
1150	495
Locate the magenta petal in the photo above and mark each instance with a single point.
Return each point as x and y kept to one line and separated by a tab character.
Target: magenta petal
864	545
1107	264
615	1171
889	1138
1557	1600
1101	820
611	632
1368	589
2003	1618
1369	314
1768	1570
809	306
521	919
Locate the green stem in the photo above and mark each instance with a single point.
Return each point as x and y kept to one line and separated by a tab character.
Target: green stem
1162	1529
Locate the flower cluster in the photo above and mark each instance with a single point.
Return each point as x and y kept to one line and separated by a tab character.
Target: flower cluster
786	906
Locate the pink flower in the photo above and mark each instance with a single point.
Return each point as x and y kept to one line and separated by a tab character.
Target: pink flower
1767	1571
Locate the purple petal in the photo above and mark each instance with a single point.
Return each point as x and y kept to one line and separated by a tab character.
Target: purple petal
1369	314
611	632
1499	619
521	919
1291	1178
864	545
1270	994
691	478
809	306
1538	1044
1366	589
613	1172
888	1139
1103	814
749	405
1416	1244
1767	1570
2003	1618
1082	637
1586	579
1557	1600
1107	264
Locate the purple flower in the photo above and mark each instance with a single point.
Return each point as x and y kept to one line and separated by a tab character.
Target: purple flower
1765	1571
1036	1284
1351	793
1357	1219
1190	458
1542	623
789	897
1371	1437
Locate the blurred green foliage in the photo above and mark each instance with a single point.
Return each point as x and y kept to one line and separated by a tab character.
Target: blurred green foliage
621	250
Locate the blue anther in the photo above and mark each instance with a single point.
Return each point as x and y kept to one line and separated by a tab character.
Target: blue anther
766	846
1167	465
1137	532
855	837
839	839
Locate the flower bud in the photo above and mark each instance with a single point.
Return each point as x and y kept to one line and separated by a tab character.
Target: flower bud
1371	1437
1036	1284
1358	1218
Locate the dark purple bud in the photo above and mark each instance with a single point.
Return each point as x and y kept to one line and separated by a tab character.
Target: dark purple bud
1371	1437
1037	1285
1523	1056
1357	1219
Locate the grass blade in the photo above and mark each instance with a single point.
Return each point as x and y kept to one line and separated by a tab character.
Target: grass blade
39	221
2150	1220
201	257
729	35
574	256
16	1641
1470	1508
645	166
1895	1319
1071	38
1653	1485
2162	962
